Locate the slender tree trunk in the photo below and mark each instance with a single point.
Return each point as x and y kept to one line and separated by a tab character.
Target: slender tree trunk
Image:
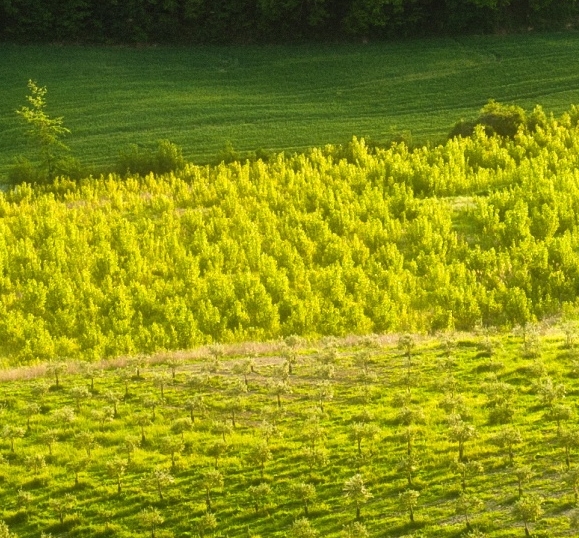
208	501
357	511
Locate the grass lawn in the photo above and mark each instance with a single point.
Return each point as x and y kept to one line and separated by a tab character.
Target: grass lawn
279	97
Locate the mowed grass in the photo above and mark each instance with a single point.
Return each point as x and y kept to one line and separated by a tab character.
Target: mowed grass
279	97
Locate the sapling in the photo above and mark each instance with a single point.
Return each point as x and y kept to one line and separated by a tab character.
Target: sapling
528	510
304	493
259	495
302	528
211	480
356	492
408	501
151	519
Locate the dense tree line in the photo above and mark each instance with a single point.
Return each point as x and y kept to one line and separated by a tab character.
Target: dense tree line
210	21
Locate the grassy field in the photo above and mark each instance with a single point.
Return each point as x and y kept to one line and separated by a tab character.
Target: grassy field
279	97
391	390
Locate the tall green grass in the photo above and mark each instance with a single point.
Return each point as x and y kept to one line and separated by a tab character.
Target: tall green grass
279	97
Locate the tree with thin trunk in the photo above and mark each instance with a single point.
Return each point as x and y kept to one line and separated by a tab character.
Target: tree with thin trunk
466	505
280	388
409	435
316	458
142	421
559	412
460	432
91	372
466	470
32	409
62	505
569	440
130	444
221	428
158	479
302	528
79	394
116	469
113	399
259	495
48	438
181	426
408	501
324	393
150	402
356	492
234	406
151	519
160	381
172	446
11	433
138	363
77	466
408	465
212	479
56	369
244	369
35	462
361	431
64	416
173	363
313	433
528	510
216	450
195	404
260	454
304	493
523	474
507	438
125	378
85	440
102	415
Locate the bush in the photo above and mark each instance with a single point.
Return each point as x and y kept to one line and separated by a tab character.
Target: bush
167	157
496	118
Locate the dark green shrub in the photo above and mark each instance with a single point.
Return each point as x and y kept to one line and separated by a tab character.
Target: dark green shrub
167	157
499	119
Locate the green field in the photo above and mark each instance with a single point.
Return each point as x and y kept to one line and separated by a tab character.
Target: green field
279	97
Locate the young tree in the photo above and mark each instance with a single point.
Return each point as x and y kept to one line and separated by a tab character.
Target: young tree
280	388
62	505
79	393
85	440
102	415
244	368
48	438
408	501
559	412
522	473
158	479
206	523
173	363
32	409
260	454
408	465
130	444
460	432
116	469
304	493
259	495
90	372
221	428
466	470
302	528
194	404
77	466
56	369
315	458
528	510
466	504
45	132
142	421
569	440
113	399
212	479
150	402
361	431
35	462
216	450
507	438
64	416
355	490
324	393
151	519
181	426
160	381
172	446
11	433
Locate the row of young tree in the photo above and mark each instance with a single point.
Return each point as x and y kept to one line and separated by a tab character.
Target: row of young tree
204	21
341	240
377	428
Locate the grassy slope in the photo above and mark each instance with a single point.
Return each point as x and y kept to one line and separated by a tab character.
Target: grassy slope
439	487
279	97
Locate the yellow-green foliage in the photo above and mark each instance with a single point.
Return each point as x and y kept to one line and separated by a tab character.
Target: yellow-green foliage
335	241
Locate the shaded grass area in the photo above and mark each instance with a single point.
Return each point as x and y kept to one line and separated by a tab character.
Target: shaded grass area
279	97
473	362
